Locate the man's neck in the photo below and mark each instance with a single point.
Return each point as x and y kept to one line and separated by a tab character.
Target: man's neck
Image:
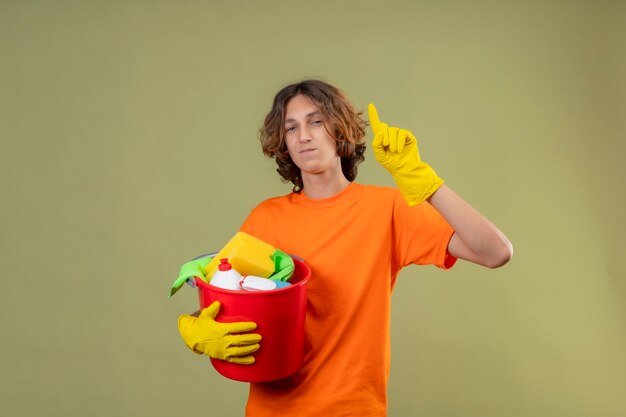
320	186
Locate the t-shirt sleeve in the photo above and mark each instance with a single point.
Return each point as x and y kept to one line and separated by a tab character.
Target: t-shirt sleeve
257	224
251	223
421	235
246	226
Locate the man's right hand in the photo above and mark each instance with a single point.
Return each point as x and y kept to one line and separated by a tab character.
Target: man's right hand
226	341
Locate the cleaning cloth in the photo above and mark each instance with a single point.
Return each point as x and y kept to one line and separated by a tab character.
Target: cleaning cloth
193	268
283	266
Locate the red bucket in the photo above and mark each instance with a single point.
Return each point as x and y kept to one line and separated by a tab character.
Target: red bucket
279	315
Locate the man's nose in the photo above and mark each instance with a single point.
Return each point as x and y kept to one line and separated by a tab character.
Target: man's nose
305	134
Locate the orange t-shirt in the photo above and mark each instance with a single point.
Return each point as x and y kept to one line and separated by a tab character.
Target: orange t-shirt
355	243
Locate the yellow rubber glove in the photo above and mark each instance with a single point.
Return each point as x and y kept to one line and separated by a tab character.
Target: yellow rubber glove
206	336
396	150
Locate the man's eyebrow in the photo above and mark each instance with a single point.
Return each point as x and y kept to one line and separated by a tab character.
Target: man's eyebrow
313	113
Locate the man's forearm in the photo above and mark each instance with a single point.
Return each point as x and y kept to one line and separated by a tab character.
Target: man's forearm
476	239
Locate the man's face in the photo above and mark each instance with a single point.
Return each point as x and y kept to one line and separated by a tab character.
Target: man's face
310	146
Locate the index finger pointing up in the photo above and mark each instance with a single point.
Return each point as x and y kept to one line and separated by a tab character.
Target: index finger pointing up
374	120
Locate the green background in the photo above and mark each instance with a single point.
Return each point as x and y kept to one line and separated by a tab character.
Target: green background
129	146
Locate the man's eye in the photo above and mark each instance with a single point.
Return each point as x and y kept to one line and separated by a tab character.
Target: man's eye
290	129
316	122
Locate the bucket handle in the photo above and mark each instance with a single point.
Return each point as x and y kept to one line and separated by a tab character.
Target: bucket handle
192	282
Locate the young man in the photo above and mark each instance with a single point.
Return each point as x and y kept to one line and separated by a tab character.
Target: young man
356	239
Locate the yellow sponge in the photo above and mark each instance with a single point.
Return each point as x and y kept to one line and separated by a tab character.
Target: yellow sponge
247	254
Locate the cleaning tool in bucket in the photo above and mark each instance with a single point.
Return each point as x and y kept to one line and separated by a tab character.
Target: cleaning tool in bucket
283	266
189	270
247	254
280	317
226	277
252	283
283	270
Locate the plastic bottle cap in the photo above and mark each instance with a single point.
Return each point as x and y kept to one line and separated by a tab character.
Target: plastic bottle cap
224	265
